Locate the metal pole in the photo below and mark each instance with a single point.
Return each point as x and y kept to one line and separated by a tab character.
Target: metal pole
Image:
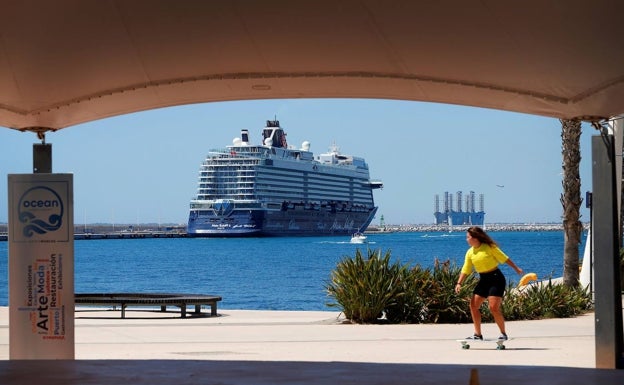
605	234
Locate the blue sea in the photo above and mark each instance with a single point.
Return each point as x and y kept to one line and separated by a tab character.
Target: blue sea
274	273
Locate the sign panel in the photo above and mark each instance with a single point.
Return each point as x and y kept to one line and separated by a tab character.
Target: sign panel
41	266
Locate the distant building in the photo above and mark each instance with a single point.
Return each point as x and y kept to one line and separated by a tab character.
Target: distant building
449	215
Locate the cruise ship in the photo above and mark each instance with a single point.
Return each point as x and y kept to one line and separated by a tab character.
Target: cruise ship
273	189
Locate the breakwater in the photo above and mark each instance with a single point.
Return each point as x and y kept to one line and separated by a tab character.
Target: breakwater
120	235
488	227
108	232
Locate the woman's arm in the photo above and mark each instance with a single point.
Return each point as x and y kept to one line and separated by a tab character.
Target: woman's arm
513	266
461	279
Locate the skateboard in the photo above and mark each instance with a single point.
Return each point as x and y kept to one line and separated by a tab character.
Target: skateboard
500	344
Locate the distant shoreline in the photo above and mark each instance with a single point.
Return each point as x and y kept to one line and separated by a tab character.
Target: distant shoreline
105	231
462	228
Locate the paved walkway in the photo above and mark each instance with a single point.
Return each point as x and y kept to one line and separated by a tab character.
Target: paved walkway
280	347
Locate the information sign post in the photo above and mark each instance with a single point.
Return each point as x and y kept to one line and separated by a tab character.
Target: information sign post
41	266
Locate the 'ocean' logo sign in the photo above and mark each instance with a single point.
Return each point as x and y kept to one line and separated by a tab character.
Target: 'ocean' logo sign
40	210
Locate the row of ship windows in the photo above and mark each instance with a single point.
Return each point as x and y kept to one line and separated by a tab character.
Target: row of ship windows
272	190
220	152
281	182
238	205
281	189
234	179
314	195
281	185
228	162
279	197
275	173
246	173
287	205
314	178
221	193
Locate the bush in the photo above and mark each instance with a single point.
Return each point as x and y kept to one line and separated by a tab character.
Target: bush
546	300
429	296
372	289
448	306
365	288
412	306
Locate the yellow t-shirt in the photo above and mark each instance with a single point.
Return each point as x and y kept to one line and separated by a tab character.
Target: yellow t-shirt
483	258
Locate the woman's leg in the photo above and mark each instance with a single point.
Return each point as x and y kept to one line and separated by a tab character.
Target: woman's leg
495	308
475	305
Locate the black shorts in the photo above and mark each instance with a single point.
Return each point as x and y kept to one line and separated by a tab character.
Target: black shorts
491	284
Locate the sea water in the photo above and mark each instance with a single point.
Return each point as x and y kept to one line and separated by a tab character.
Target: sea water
274	273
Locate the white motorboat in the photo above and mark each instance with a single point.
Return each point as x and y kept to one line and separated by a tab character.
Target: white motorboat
358	238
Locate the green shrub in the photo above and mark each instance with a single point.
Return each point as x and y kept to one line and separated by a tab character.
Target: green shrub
372	289
430	296
366	287
448	306
413	306
546	300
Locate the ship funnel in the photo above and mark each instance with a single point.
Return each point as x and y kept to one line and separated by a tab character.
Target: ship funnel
245	136
305	146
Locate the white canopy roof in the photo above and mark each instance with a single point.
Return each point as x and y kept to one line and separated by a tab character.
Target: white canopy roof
66	62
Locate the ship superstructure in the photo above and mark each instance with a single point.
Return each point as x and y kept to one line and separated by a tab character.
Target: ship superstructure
273	189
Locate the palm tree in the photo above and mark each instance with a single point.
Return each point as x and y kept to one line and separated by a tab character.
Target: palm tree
571	199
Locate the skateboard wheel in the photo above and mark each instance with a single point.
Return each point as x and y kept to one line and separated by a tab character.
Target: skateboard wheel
500	347
466	346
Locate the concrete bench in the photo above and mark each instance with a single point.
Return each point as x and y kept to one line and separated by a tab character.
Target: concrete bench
149	299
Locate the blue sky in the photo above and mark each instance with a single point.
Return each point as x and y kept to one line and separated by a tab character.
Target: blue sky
142	167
